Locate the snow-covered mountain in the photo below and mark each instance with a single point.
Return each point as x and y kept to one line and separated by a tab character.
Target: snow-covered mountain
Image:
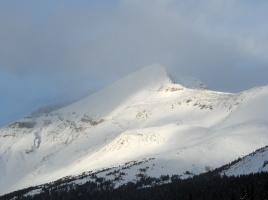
144	118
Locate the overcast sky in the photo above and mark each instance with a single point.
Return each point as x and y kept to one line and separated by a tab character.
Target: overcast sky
54	51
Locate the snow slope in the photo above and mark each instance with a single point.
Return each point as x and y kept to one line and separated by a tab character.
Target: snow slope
140	117
252	163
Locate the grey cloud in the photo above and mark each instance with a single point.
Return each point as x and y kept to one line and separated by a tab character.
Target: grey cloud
77	47
123	38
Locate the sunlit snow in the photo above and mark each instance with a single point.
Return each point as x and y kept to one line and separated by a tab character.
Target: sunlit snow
142	116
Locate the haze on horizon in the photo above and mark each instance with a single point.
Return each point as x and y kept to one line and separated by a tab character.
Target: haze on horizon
59	51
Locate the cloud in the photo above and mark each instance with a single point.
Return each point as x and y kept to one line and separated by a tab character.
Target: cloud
70	48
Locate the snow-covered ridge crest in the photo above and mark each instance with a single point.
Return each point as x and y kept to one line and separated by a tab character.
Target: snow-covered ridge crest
252	163
132	87
190	82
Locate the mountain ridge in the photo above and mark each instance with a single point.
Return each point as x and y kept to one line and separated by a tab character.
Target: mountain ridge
141	116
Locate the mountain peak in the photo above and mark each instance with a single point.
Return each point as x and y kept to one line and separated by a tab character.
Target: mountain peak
148	78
